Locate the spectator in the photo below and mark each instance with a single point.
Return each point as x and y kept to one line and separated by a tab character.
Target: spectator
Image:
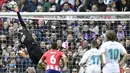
52	9
3	9
18	64
85	45
59	44
67	1
124	6
76	30
77	5
23	5
11	31
94	27
74	71
67	42
43	45
88	35
39	9
3	40
70	30
66	8
108	9
99	42
120	33
128	44
5	27
31	70
113	6
94	8
2	2
42	2
33	5
12	68
49	5
60	2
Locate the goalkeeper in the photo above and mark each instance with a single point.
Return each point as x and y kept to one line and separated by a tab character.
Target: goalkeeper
35	52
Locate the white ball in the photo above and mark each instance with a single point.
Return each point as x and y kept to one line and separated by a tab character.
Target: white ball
12	4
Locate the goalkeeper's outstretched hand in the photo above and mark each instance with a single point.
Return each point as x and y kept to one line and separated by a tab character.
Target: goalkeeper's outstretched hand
15	10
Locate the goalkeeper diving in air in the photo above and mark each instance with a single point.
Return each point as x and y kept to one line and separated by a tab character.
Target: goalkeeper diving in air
35	52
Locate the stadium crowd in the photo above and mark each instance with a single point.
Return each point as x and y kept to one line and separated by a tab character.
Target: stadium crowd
68	5
73	38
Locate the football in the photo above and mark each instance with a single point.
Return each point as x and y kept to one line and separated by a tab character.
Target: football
12	4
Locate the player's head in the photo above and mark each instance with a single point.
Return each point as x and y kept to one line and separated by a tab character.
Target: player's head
93	44
111	35
54	45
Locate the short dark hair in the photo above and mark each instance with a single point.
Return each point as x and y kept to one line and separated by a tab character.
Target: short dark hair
93	44
111	35
54	45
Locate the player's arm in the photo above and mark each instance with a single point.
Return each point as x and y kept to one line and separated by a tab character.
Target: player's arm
84	58
102	51
124	59
41	63
102	59
64	59
124	53
20	18
18	14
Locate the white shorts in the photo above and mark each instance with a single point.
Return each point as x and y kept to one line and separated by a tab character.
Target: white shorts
111	68
93	69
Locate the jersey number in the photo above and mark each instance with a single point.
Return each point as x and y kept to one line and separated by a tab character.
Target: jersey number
53	59
113	53
95	59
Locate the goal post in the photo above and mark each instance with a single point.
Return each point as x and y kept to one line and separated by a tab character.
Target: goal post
64	13
47	27
72	15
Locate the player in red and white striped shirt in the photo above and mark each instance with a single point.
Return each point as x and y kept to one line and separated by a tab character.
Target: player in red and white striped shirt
52	59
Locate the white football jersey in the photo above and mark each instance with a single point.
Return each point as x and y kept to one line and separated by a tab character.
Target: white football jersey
91	57
112	51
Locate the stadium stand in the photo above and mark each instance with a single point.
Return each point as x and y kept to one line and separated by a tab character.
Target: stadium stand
15	58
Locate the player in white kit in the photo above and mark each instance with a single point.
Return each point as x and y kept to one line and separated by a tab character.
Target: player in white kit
91	59
112	51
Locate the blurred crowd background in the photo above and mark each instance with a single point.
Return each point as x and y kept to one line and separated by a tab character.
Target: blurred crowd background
72	37
68	5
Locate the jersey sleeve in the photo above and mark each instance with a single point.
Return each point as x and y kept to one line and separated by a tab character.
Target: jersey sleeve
122	49
85	57
21	20
102	48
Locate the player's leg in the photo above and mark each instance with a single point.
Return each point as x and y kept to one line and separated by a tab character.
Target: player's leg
35	52
52	71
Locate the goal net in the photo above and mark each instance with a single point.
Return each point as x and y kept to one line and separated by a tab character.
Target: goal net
73	33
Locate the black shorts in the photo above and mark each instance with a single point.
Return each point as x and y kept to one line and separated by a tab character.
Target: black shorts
35	52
